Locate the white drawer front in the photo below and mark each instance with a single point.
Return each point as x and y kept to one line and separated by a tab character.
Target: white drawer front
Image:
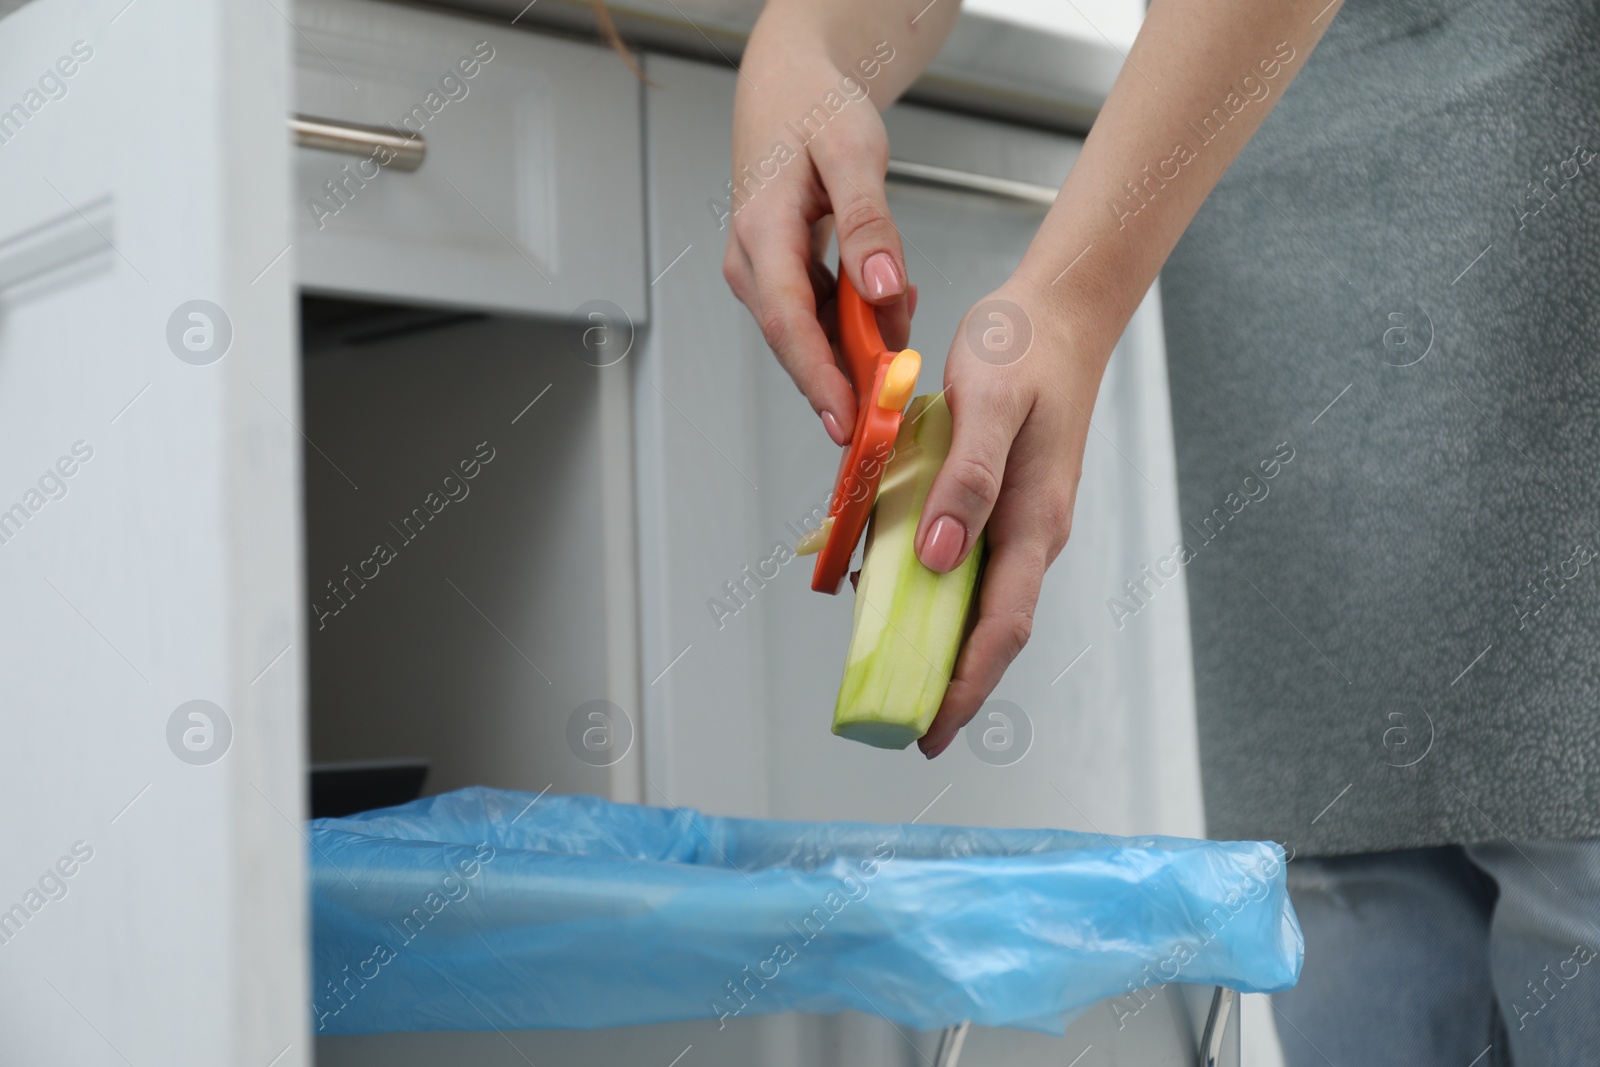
529	198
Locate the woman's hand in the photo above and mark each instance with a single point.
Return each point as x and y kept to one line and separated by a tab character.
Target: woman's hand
1020	382
786	203
809	156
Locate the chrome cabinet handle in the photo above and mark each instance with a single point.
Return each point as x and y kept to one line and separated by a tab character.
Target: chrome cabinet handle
968	182
351	139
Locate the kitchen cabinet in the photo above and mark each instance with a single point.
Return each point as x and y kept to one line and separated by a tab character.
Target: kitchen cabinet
388	465
528	200
151	867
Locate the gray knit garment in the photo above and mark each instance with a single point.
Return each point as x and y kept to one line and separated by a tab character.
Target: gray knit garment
1398	644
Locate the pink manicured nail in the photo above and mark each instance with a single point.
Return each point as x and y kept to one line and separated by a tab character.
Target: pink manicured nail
835	431
942	548
882	279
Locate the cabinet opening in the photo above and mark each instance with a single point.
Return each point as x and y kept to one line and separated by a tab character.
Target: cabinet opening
460	480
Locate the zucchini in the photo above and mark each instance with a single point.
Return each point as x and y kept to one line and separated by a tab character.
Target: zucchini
909	620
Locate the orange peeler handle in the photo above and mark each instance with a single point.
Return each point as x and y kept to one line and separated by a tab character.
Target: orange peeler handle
859	339
883	382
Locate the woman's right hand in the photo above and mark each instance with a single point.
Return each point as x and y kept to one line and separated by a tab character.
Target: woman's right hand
805	167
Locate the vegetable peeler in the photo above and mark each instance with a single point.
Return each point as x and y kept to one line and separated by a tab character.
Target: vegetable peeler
883	382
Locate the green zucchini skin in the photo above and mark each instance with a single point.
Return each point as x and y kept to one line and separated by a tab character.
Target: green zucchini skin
909	620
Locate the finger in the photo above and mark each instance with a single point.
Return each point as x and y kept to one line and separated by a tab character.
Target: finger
894	319
823	280
737	273
968	483
852	172
740	276
780	259
894	323
826	291
1006	601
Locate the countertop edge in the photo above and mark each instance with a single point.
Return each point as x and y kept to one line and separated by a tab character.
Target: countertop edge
988	67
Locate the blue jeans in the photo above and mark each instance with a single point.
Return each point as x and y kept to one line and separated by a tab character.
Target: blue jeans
1475	956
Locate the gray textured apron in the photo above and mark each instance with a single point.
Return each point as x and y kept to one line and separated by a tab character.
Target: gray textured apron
1397	636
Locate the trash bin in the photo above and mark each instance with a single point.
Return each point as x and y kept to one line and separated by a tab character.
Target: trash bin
483	909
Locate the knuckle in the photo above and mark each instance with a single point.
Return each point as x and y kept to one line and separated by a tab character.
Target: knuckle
1058	519
859	219
975	480
775	328
743	225
1016	627
850	145
733	274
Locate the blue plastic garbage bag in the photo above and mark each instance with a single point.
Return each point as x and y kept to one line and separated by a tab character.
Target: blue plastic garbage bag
482	908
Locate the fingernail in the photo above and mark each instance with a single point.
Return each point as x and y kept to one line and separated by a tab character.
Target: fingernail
933	752
882	279
942	547
835	431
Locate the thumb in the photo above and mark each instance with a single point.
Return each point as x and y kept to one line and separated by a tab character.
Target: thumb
964	491
869	244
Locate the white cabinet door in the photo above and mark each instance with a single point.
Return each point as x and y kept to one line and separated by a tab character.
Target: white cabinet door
528	198
151	866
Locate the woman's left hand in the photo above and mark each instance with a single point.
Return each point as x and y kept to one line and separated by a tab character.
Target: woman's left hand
1020	382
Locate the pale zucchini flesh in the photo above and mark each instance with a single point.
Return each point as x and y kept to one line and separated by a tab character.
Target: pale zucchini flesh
909	620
